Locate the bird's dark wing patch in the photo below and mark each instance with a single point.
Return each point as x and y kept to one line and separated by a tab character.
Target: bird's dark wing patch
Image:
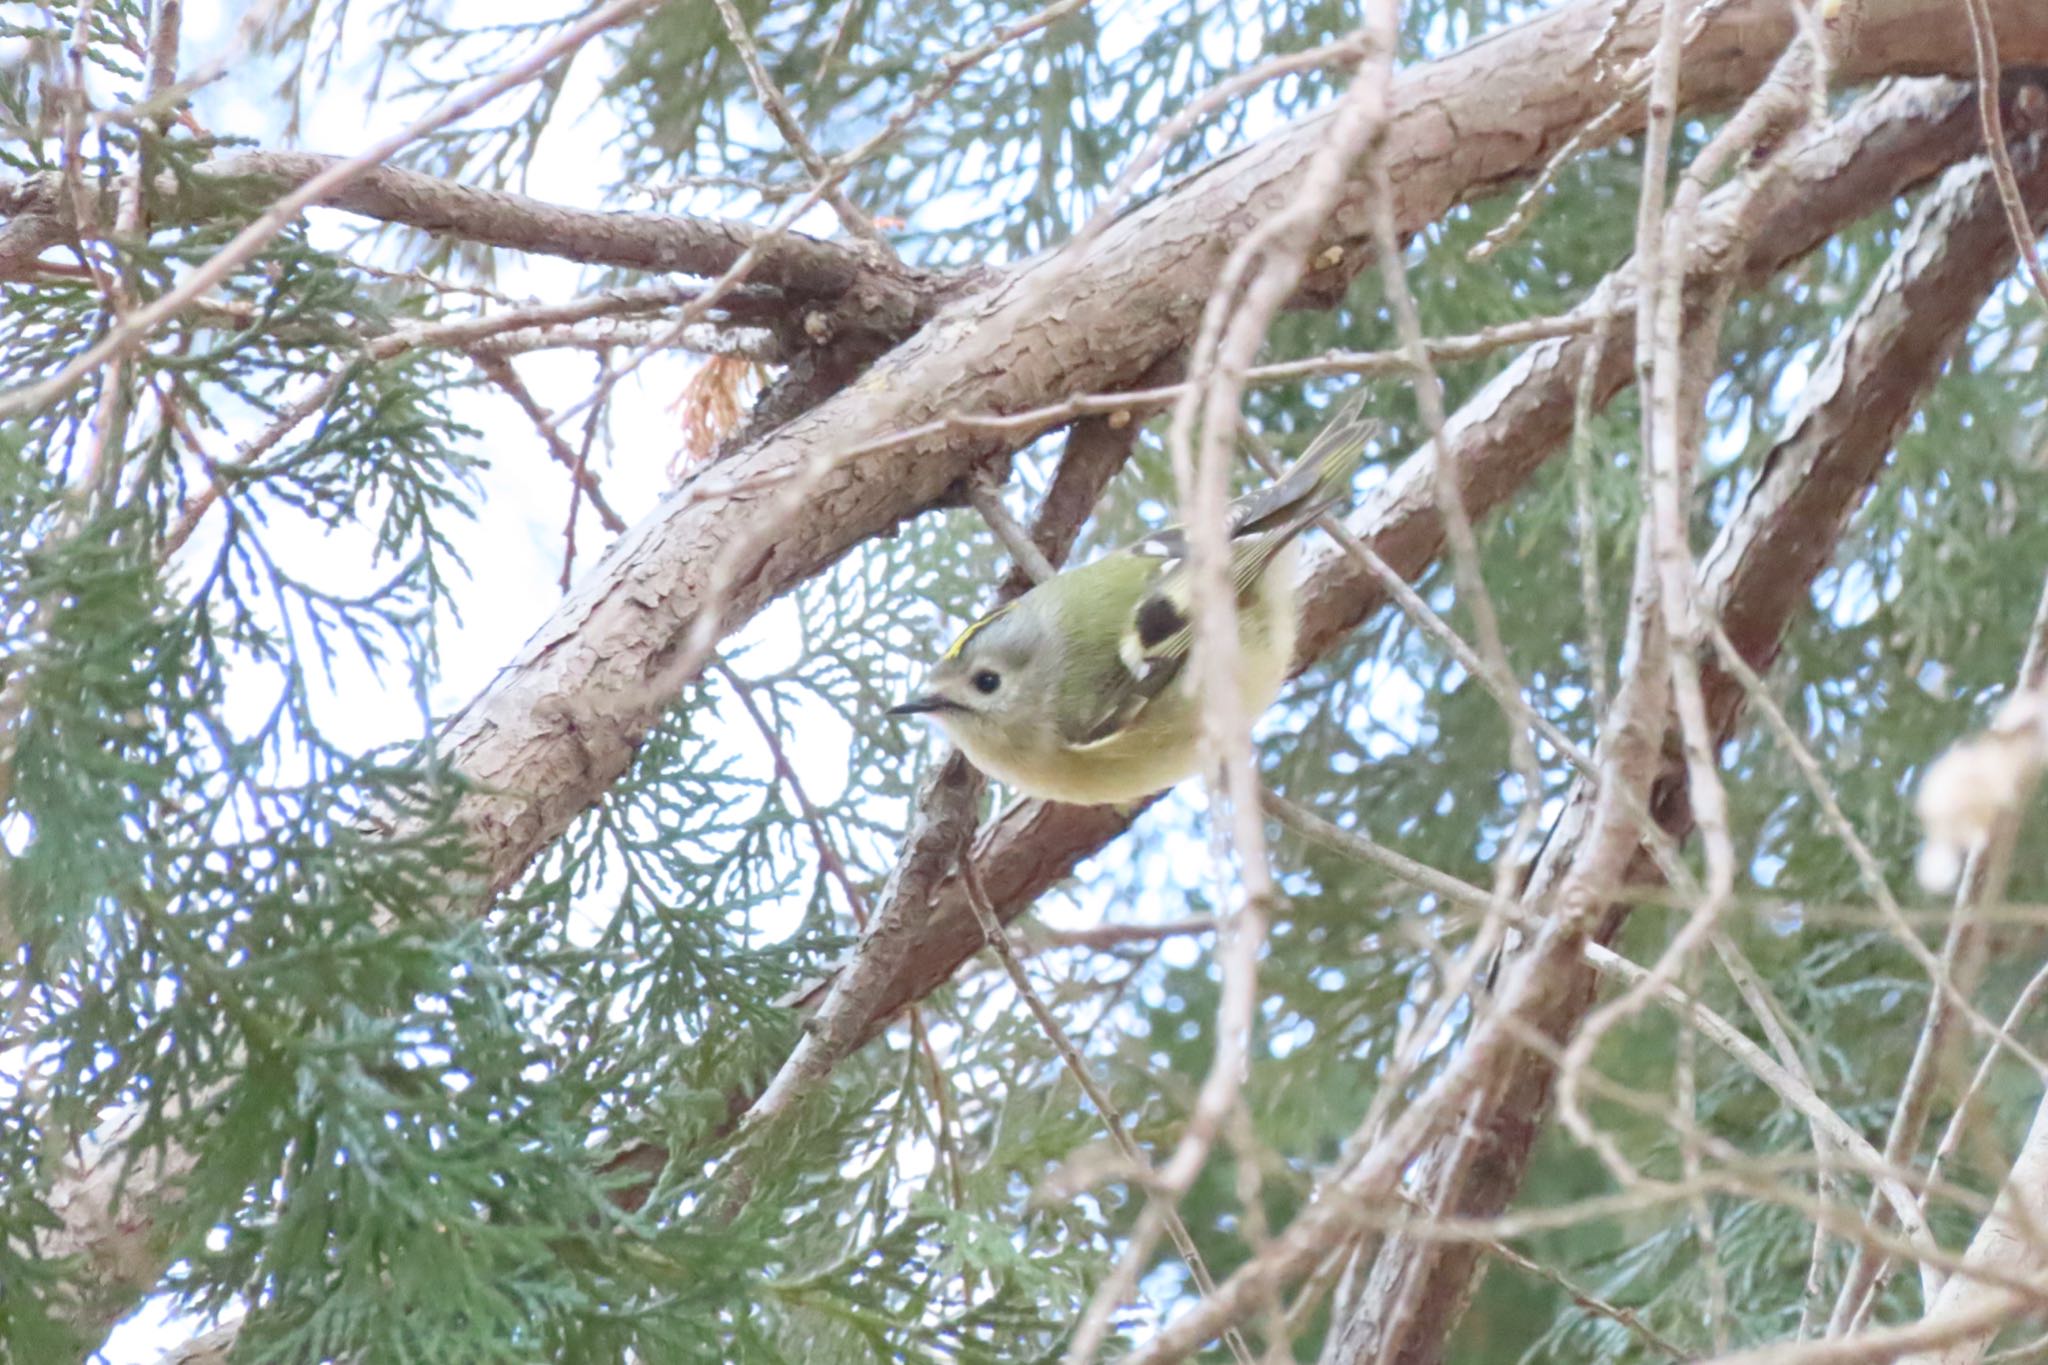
1159	619
1153	650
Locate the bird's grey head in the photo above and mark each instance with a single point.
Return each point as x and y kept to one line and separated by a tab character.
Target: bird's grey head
995	680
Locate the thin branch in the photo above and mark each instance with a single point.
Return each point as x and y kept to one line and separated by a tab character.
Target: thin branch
851	217
136	326
1868	873
1958	1121
988	502
1978	1301
1459	539
857	905
745	343
498	369
1108	937
1585	525
1077	1066
1352	47
579	479
1954	977
1587	1300
669	243
313	401
1673	345
1984	47
1257	278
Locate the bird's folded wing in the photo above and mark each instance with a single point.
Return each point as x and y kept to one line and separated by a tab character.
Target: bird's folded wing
1155	643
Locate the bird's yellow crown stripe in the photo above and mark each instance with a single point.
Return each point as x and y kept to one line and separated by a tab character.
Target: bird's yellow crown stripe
953	650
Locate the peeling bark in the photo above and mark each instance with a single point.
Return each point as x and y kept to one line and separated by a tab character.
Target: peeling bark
1755	580
562	721
1880	148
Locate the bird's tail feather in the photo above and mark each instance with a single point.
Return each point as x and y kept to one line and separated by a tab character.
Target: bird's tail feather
1317	481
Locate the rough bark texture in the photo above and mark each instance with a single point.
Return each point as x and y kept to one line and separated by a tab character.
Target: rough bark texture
1883	146
1755	579
1498	440
239	185
562	720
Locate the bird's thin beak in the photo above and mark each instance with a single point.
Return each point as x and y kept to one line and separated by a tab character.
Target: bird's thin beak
918	705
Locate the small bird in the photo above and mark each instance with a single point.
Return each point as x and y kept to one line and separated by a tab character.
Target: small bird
1078	690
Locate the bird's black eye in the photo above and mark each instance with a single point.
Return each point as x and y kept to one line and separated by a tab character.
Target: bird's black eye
986	681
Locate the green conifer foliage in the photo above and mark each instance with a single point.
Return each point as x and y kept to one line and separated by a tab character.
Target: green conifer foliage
318	1030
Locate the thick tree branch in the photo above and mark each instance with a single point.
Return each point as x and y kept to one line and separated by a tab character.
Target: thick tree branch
1755	580
1521	419
1879	148
236	186
563	720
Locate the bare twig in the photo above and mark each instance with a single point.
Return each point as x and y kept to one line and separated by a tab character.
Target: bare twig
1661	376
162	59
1592	133
1761	1004
1585	519
1984	45
194	511
131	330
579	479
1077	1066
1459	539
1958	1121
1587	1300
1257	278
987	501
1352	47
76	102
498	369
857	905
1108	937
851	217
528	326
1692	1163
743	343
1674	347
